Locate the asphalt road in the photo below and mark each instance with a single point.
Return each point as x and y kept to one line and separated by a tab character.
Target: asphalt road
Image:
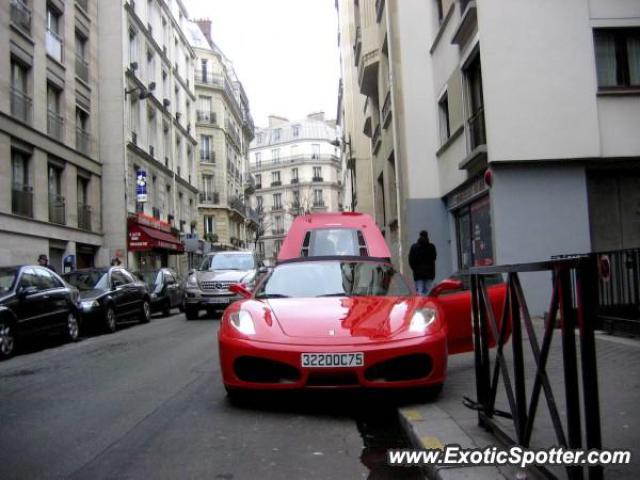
147	402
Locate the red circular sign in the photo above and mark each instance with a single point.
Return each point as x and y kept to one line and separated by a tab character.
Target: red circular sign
605	268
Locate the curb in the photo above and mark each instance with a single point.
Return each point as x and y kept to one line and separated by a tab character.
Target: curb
431	427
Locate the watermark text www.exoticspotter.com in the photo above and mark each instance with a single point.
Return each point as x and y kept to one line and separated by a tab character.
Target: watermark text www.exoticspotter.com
518	456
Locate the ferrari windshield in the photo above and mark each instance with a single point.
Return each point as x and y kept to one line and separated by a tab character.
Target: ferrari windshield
221	261
85	280
330	278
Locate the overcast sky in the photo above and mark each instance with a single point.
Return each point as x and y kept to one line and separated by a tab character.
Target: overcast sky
284	51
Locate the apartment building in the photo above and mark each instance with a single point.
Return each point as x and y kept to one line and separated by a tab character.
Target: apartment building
147	135
297	169
506	129
224	129
50	170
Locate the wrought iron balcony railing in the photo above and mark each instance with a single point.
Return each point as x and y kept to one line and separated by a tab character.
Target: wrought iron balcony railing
55	125
83	140
207	156
204	116
56	209
317	179
209	198
84	217
21	105
22	200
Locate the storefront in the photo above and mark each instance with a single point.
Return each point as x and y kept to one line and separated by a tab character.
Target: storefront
471	209
151	243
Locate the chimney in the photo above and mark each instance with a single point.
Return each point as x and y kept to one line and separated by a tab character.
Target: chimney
205	28
275	121
316	116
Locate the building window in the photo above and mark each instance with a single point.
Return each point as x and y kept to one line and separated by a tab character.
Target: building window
277	201
475	240
21	103
276	134
318	201
21	190
209	224
275	179
275	155
439	11
296	198
317	174
278	246
258	159
56	199
315	151
443	110
294	175
133	46
618	57
261	249
151	66
475	104
134	111
258	180
82	64
83	137
206	155
296	130
55	121
53	37
84	210
259	138
152	131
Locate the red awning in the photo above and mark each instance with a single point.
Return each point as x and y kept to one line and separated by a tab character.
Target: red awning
145	238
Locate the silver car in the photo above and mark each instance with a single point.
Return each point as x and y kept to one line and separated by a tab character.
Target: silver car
208	287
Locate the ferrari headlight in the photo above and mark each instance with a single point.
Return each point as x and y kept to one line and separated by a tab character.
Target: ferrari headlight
422	319
242	322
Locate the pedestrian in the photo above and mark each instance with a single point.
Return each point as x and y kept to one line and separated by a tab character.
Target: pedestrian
43	261
115	262
422	260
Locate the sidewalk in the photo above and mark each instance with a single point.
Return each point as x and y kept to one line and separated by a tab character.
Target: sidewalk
447	421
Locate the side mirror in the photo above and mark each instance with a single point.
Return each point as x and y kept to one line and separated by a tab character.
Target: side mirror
26	291
115	285
446	285
241	290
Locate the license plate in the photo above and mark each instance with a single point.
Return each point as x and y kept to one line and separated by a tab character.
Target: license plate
217	300
332	360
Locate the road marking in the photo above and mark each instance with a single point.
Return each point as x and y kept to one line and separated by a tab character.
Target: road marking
432	442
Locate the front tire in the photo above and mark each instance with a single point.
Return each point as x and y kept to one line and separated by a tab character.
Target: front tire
110	320
73	327
7	340
191	312
145	312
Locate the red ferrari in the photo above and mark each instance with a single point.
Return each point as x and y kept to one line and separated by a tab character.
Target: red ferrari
343	322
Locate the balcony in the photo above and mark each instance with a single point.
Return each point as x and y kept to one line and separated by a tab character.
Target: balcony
84	217
83	141
368	72
386	110
55	125
21	106
207	156
376	140
277	183
317	179
277	208
209	78
82	68
357	46
22	200
203	116
318	204
54	45
209	198
56	209
21	15
477	134
237	204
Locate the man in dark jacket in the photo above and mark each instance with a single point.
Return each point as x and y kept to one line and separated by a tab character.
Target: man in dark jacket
422	260
43	261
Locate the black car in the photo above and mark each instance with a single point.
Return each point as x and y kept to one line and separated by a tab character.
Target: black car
166	289
34	300
109	296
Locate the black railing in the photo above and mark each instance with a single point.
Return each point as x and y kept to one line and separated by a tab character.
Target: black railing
83	140
82	68
295	180
319	204
56	209
477	134
22	200
277	183
313	158
21	15
278	231
277	208
204	116
84	217
55	125
317	179
21	105
209	78
573	298
210	198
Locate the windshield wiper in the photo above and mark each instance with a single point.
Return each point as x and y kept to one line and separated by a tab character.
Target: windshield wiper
272	295
337	294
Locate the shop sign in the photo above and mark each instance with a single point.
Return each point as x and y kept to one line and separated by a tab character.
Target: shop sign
141	186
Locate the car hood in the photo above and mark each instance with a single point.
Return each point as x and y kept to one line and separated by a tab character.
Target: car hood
235	276
352	319
91	294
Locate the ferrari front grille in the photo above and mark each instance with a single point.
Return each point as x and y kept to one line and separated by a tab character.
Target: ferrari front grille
262	370
407	367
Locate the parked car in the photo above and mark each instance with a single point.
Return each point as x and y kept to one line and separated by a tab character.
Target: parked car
109	296
166	289
331	234
208	287
34	300
343	322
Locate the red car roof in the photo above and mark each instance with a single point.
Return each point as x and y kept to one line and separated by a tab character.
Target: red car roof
292	245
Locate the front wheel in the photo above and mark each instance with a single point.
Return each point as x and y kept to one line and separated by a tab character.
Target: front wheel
7	340
110	322
72	330
145	312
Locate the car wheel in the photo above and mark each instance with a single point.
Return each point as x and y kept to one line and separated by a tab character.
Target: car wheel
110	320
191	313
7	340
166	308
145	312
73	327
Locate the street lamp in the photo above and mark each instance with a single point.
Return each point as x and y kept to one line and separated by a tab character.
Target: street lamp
351	165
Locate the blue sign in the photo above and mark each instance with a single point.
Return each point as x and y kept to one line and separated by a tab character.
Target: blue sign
141	186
